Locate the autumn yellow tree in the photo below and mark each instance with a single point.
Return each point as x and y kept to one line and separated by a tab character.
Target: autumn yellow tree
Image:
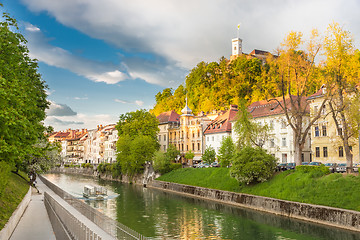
293	76
341	69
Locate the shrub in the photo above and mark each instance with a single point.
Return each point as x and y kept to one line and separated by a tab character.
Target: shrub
83	165
314	171
161	163
174	166
252	165
66	165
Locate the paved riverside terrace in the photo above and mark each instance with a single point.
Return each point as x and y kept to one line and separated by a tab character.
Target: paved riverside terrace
35	223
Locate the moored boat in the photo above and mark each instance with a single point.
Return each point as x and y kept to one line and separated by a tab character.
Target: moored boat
95	192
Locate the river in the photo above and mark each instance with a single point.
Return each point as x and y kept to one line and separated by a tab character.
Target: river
162	215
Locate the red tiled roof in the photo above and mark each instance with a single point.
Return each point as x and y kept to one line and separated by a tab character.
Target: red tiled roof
223	122
170	116
267	108
61	134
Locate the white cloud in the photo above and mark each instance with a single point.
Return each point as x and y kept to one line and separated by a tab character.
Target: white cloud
59	57
186	32
31	28
56	109
79	121
137	102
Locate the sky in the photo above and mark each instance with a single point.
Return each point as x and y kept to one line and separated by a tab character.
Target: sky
103	58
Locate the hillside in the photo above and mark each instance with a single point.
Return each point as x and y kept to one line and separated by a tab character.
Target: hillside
215	85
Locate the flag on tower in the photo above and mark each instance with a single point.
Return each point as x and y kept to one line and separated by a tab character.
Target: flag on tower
238	26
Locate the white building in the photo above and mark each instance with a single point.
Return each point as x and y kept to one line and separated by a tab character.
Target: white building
220	128
281	140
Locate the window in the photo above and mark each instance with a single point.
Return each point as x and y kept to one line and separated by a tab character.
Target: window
302	157
159	138
284	158
317	152
272	142
193	134
272	124
198	133
340	132
323	110
198	146
325	153
341	151
164	137
317	132
283	142
283	124
164	146
350	147
324	131
207	138
193	146
212	138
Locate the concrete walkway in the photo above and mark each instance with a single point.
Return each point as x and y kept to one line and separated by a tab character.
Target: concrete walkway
35	223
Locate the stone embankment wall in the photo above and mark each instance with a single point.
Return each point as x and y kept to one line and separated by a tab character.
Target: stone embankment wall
342	218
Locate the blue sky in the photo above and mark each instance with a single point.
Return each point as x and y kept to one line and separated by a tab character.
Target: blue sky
104	58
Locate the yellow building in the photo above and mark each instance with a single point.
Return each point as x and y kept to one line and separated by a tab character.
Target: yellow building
326	143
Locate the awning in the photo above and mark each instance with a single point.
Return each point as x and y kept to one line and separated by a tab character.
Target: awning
197	158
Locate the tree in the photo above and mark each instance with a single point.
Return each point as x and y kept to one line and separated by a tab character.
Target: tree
22	97
189	155
252	165
137	141
226	151
342	71
294	76
172	153
249	132
209	155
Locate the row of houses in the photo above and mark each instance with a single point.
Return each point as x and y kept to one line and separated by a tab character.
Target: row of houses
196	133
87	146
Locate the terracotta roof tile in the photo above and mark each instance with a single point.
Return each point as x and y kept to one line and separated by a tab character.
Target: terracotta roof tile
170	116
223	122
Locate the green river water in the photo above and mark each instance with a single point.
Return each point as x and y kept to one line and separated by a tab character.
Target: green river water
162	215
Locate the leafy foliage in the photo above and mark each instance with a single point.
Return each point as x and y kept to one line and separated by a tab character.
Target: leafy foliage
226	151
250	133
214	85
252	165
22	96
189	155
209	155
164	162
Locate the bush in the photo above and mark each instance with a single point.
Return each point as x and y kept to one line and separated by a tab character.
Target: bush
161	163
174	166
83	165
66	165
4	176
315	171
252	165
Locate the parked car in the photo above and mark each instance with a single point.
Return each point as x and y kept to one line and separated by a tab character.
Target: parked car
305	163
331	166
356	167
290	166
315	164
341	167
281	167
215	164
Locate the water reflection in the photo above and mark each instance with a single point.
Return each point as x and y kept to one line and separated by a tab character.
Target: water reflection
162	215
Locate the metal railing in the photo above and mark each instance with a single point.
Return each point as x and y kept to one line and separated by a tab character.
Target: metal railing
109	225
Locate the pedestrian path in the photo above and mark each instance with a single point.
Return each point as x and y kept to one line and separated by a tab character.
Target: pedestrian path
35	223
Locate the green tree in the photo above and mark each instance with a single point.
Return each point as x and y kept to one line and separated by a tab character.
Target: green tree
172	153
137	141
189	155
342	71
249	132
209	155
140	122
226	151
22	97
252	165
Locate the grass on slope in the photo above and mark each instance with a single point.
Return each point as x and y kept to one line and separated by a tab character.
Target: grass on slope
15	191
335	190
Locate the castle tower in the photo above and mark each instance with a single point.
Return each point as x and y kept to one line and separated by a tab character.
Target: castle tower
236	48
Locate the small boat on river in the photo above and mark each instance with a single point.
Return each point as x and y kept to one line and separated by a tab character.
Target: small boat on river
95	192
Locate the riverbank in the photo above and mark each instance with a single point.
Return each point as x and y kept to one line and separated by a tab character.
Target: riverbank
336	217
333	190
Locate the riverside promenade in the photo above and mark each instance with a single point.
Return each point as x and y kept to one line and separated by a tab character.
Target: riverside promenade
35	223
